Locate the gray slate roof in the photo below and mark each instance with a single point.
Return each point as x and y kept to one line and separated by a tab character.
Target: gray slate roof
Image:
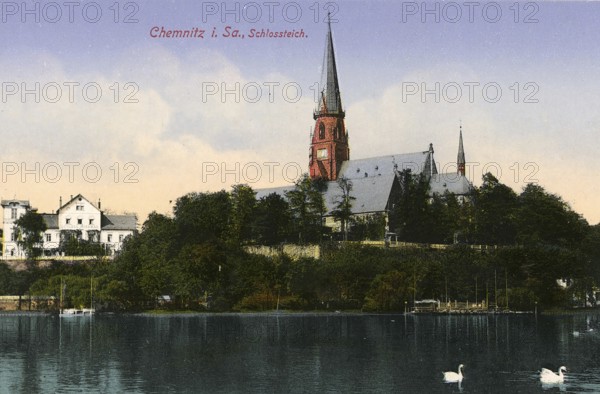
260	193
452	182
119	222
418	162
5	203
371	194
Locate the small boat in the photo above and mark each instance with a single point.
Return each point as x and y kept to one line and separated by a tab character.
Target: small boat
73	312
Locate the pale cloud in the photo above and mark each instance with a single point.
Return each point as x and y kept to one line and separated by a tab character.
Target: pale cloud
151	151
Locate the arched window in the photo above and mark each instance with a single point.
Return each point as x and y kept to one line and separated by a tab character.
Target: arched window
321	131
340	129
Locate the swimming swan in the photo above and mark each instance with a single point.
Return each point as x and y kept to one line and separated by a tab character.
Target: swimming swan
547	376
453	377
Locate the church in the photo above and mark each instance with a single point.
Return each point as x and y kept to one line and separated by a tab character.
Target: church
375	180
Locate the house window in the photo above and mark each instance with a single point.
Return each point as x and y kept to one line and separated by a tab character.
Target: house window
13	236
322	154
79	221
109	238
48	237
91	221
68	221
79	208
120	237
13	213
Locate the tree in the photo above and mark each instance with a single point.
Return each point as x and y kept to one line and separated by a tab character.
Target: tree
31	227
308	208
545	218
272	220
243	203
410	215
343	208
201	217
495	212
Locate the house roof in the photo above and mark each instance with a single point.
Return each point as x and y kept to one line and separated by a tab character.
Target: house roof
76	198
452	182
119	222
6	203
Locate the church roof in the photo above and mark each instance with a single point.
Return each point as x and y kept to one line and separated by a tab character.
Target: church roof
418	162
452	182
281	190
371	193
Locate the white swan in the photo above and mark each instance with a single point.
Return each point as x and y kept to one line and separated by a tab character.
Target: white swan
453	377
547	376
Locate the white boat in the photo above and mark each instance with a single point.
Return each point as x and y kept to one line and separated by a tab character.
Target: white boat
73	312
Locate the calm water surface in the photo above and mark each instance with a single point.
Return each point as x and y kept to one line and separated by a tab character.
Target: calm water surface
298	353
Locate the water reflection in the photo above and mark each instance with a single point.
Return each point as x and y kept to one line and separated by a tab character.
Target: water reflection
296	353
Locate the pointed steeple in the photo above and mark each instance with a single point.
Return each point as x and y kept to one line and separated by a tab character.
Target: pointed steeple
460	161
329	145
330	100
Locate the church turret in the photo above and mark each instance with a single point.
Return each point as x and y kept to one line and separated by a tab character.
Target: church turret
329	146
460	161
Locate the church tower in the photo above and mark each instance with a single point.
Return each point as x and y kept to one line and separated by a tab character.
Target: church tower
460	161
329	146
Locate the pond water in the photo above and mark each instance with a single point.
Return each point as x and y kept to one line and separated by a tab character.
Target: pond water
298	353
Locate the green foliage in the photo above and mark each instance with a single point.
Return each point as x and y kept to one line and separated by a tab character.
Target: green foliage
71	244
196	256
202	217
368	227
243	203
410	217
308	208
31	227
343	206
272	220
389	292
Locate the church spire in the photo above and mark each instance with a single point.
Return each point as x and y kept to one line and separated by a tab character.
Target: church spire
460	161
329	145
330	101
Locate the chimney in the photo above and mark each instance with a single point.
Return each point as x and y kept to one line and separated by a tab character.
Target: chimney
60	202
99	205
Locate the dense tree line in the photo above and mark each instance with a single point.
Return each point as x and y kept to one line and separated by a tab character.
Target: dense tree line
197	256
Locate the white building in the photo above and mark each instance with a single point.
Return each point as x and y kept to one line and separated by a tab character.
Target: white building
78	217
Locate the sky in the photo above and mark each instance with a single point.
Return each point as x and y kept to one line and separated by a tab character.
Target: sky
95	101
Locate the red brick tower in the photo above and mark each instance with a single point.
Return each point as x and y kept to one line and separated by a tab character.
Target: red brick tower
329	147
